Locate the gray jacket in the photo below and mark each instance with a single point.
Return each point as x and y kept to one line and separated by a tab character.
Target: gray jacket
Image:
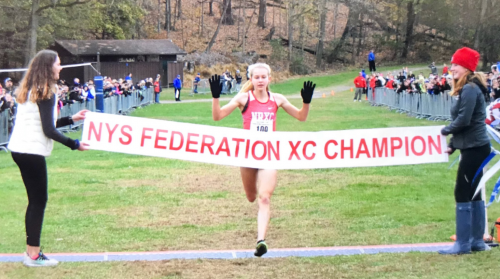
468	114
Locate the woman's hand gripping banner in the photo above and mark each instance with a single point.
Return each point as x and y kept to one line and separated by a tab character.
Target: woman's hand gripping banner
277	150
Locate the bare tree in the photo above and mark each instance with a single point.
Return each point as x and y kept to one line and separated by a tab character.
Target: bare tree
179	9
322	23
214	37
410	22
211	7
168	16
262	14
227	15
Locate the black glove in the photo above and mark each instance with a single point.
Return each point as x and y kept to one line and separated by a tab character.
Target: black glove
307	92
215	86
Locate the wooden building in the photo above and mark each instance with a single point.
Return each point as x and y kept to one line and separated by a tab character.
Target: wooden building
118	58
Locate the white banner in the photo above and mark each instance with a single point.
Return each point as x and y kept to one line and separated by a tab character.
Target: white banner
276	150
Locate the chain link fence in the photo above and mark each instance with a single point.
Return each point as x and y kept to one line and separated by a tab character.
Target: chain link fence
113	105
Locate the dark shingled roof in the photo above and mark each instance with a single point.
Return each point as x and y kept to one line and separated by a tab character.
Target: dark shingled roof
121	47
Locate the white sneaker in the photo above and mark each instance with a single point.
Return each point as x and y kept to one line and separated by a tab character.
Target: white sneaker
42	260
355	101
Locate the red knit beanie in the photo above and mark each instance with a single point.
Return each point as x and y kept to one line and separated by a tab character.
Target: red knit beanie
467	58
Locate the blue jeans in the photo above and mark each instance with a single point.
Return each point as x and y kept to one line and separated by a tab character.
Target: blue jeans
157	98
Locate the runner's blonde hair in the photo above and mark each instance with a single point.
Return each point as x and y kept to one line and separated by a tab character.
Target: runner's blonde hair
249	85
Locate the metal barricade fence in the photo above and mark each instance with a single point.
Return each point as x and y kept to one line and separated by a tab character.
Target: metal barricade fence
4	129
203	87
423	106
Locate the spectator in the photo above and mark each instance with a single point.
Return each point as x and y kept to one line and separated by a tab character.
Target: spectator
373	84
196	82
401	78
128	78
411	75
390	83
157	90
495	89
360	84
371	61
381	80
445	69
177	88
447	82
405	87
6	101
421	78
238	77
364	73
149	83
9	87
117	89
434	70
494	70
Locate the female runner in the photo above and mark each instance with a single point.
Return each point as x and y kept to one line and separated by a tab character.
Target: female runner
253	97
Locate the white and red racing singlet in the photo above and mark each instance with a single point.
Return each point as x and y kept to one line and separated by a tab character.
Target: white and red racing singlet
260	117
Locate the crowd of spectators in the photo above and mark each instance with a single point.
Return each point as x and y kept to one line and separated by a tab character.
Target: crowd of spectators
8	102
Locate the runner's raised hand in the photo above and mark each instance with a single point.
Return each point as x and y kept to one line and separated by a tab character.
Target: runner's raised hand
307	92
215	86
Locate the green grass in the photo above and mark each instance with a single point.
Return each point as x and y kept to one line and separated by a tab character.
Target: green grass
101	201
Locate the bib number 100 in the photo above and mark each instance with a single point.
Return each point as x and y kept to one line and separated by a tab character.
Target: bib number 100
262	128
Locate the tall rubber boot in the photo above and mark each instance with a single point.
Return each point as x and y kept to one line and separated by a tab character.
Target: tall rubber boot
463	230
477	230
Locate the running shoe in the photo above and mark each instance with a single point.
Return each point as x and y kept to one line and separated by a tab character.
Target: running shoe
261	248
42	260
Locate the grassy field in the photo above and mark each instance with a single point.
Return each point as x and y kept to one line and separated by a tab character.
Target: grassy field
102	201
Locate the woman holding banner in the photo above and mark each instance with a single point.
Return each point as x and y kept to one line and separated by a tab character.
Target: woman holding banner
32	141
469	136
254	99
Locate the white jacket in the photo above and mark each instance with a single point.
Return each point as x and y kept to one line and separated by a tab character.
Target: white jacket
27	136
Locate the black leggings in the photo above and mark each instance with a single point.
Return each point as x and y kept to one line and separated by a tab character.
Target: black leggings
470	162
34	173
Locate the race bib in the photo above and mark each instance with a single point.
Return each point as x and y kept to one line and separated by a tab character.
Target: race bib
261	125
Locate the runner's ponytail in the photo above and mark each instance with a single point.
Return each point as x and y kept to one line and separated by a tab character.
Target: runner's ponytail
246	87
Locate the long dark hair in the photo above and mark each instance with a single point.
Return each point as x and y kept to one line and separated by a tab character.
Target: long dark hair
39	78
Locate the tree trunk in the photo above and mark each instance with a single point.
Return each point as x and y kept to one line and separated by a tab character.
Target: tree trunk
351	22
335	16
410	22
202	18
290	30
211	8
360	38
168	16
227	16
214	37
484	6
179	9
33	35
159	16
322	23
262	14
244	28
